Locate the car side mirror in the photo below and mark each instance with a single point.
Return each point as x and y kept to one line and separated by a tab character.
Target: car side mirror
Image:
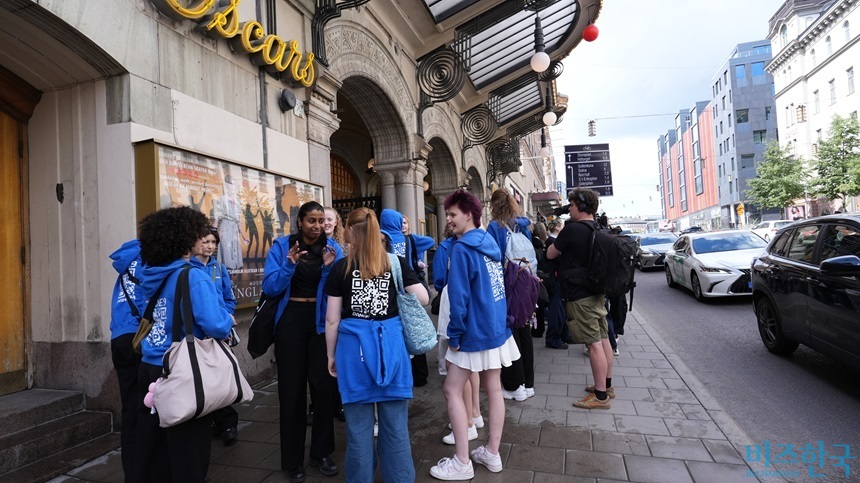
846	265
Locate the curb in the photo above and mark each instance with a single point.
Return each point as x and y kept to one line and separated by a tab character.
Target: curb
730	429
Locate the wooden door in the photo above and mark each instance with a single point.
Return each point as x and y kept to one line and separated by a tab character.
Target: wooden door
13	376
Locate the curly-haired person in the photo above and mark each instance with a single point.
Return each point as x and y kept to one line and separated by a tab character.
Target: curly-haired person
167	238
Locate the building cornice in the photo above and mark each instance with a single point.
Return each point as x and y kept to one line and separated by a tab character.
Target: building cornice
813	32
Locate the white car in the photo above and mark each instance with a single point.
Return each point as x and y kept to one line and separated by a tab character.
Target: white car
714	264
766	229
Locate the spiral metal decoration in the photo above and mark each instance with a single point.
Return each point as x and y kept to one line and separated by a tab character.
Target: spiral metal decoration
503	156
441	75
552	72
478	125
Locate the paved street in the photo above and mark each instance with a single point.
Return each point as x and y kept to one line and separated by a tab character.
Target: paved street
795	400
664	426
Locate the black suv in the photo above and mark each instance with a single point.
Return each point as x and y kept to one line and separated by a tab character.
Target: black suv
806	288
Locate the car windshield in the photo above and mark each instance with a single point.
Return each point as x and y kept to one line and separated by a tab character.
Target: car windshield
728	242
657	239
780	224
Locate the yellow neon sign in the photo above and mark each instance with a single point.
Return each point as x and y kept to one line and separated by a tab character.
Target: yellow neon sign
271	51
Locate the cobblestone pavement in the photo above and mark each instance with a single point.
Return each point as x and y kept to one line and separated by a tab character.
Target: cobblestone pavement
663	426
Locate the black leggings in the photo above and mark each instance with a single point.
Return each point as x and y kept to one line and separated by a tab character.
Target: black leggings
522	371
301	358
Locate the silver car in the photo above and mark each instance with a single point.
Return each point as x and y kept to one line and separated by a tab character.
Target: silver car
653	248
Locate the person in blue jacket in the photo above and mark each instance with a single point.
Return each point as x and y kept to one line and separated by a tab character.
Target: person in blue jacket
478	337
416	248
518	380
367	353
225	421
126	310
167	238
296	270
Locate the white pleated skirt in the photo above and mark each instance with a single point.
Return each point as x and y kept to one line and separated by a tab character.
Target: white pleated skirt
502	356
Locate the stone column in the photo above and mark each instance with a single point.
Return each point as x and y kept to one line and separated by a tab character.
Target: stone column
389	196
322	123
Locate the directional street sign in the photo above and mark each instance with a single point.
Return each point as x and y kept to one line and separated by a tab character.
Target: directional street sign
588	166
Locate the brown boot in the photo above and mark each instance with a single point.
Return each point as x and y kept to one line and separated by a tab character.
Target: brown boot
591	402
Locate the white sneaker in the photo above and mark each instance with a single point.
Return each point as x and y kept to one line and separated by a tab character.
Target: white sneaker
451	469
482	456
585	350
530	392
478	422
375	429
519	394
472	434
615	352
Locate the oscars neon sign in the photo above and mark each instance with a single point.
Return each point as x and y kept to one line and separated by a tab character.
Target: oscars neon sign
269	51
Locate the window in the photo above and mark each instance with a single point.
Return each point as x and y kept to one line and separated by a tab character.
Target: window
832	85
726	78
697	171
818	133
840	240
344	182
759	137
850	73
767	110
829	45
783	36
802	245
847	29
757	69
812	57
816	99
787	116
724	102
721	127
733	164
721	149
730	120
743	116
747	161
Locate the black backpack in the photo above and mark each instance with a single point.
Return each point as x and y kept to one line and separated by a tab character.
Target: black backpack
611	266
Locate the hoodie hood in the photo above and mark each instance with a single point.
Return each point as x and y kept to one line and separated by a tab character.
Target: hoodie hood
391	224
523	223
153	276
482	242
124	255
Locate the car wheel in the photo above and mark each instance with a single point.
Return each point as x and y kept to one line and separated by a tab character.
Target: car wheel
669	280
697	287
770	329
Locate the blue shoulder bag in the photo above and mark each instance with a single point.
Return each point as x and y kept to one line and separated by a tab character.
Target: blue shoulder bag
418	330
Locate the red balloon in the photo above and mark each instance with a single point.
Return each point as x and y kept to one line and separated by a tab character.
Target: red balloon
589	34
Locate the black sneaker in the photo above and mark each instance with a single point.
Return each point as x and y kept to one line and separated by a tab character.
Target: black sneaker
296	475
560	345
228	436
326	466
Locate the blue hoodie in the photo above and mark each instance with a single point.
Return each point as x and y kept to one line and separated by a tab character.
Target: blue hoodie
500	233
476	291
440	263
372	362
221	278
422	244
126	260
210	317
391	224
279	272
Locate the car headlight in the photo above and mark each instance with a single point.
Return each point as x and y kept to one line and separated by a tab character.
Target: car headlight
714	270
648	253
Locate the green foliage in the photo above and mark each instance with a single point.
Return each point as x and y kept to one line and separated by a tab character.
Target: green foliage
781	179
838	163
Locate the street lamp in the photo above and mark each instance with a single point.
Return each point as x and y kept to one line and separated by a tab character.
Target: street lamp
540	60
549	117
544	150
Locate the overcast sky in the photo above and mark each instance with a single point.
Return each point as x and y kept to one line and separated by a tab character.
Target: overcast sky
651	59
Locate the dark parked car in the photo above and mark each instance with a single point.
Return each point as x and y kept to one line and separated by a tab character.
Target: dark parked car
806	288
692	229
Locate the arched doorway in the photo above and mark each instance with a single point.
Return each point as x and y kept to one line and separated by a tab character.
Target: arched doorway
441	180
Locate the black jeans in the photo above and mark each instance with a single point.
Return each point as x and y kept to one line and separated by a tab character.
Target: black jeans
301	358
225	418
179	453
618	312
522	370
556	321
127	364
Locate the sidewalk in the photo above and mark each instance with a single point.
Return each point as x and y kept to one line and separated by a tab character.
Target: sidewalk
663	427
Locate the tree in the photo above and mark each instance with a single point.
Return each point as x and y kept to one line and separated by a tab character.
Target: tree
838	163
781	179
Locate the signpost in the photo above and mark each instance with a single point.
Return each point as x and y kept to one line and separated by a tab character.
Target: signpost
588	166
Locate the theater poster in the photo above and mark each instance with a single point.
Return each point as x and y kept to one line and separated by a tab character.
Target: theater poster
249	206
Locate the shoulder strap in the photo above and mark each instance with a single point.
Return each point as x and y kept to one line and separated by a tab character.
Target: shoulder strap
413	252
182	306
396	273
131	305
150	307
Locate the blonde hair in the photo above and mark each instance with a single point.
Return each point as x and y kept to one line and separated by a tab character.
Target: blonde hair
338	232
366	248
408	224
504	208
